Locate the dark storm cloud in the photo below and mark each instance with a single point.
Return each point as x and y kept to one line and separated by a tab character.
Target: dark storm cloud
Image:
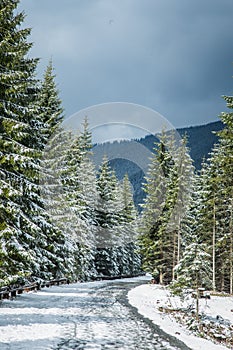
174	56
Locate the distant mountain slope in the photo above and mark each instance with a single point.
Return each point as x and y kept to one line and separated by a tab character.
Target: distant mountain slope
201	140
125	158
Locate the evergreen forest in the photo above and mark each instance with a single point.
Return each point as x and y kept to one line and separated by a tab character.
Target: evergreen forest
62	217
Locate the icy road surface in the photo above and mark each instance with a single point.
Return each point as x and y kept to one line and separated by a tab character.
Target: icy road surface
80	316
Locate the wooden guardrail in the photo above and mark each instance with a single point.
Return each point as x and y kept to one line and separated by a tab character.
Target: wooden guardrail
10	292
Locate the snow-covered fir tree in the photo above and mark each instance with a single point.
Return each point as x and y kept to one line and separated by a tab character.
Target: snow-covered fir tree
216	209
56	142
24	248
116	226
129	257
151	241
168	194
226	164
77	200
51	110
193	270
86	138
211	209
179	197
107	221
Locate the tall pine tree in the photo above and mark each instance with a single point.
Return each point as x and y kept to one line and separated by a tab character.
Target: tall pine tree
168	194
51	110
19	146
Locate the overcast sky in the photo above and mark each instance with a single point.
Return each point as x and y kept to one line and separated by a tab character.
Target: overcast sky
174	56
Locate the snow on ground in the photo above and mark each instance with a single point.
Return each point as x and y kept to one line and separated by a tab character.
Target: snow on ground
147	298
34	320
36	331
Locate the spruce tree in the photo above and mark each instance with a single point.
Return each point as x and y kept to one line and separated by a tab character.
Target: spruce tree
179	197
19	146
56	141
210	210
151	241
27	236
108	219
193	271
106	185
214	219
168	194
86	138
51	110
226	165
79	200
129	258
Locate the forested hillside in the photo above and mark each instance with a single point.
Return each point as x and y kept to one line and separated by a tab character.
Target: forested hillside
200	141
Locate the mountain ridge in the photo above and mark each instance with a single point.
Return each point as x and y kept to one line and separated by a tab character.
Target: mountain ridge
124	157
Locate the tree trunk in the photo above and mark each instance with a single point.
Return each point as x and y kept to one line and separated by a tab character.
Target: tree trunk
231	247
176	247
213	248
161	276
222	280
174	256
197	303
178	243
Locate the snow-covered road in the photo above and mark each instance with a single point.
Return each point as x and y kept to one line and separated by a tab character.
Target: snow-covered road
79	316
